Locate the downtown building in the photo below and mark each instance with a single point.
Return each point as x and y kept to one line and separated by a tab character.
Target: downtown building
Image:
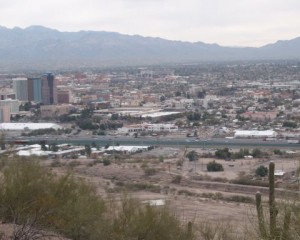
39	89
35	89
20	87
13	105
49	89
4	114
7	93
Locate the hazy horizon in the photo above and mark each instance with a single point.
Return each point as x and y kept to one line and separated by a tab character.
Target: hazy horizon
250	23
179	40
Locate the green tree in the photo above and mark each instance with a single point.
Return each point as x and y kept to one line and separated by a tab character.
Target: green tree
257	153
214	167
223	153
278	152
114	116
2	141
43	146
201	94
87	113
289	124
26	106
193	116
87	124
162	98
240	154
261	171
53	147
88	150
192	156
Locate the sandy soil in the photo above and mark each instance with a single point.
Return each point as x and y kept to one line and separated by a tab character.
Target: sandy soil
130	170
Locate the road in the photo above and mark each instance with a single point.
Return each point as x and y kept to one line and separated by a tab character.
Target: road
160	141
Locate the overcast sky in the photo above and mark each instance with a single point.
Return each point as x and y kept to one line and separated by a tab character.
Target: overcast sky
227	22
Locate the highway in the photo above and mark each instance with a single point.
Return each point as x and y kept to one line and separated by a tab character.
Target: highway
159	141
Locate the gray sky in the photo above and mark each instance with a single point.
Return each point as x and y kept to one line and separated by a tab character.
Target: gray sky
227	22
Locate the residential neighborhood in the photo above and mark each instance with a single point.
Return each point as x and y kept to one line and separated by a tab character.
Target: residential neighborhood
214	100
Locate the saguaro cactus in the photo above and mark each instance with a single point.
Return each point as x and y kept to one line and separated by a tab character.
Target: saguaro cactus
272	207
274	233
189	231
260	216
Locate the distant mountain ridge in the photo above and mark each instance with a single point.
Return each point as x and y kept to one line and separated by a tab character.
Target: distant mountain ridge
43	48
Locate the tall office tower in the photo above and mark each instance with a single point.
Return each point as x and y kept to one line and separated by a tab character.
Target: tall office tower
35	89
20	86
49	89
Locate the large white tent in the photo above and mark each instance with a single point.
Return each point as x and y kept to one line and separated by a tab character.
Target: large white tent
255	134
28	126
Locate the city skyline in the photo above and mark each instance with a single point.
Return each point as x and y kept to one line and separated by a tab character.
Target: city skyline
228	23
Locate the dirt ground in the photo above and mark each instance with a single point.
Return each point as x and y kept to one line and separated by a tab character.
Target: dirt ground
131	170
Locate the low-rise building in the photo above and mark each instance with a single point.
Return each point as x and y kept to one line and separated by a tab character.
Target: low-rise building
7	93
260	116
28	126
13	104
255	134
63	96
54	110
145	127
4	114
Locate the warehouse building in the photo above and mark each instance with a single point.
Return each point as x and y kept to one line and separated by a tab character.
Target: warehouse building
28	126
255	134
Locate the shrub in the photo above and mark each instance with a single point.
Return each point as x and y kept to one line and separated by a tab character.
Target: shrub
106	162
74	163
214	167
149	171
277	152
176	179
37	202
257	153
223	153
96	161
192	156
289	124
32	197
56	163
135	221
247	181
261	171
134	187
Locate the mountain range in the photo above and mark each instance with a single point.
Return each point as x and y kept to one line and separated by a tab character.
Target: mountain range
38	47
